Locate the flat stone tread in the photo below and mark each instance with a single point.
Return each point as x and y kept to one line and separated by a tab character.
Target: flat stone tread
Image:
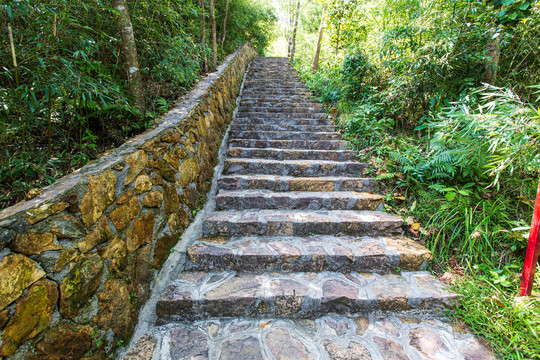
285	135
281	127
325	338
290	144
196	295
314	200
292	154
288	183
300	222
381	254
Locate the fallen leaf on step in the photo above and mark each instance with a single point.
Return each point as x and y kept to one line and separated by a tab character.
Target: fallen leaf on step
416	226
264	324
448	278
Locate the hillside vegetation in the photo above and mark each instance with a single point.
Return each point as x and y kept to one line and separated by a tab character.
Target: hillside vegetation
67	85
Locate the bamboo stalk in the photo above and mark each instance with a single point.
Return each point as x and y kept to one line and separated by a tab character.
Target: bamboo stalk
21	117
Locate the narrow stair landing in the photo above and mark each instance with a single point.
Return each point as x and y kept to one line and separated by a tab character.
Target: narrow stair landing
296	262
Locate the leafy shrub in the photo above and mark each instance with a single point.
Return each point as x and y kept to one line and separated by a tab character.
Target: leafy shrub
356	73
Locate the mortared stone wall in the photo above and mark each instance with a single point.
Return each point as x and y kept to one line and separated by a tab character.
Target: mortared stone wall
77	262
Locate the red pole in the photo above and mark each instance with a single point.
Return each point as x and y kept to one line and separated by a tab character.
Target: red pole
533	247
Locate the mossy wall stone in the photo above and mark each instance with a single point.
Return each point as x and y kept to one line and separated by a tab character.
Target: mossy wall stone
78	261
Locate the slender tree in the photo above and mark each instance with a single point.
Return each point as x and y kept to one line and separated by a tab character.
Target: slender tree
337	37
297	15
315	67
129	52
214	37
290	20
203	20
225	24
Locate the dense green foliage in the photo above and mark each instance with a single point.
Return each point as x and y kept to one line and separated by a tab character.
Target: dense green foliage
68	100
442	98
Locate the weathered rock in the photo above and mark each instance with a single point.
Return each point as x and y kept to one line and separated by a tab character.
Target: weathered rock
354	351
100	234
17	272
139	275
116	251
178	220
188	344
389	349
122	215
164	169
115	309
172	160
44	211
142	184
153	199
362	324
190	197
162	249
67	227
32	315
35	243
157	180
340	327
427	341
188	171
172	202
65	258
80	284
6	236
98	197
137	162
142	350
4	317
284	346
476	350
242	349
125	198
65	340
141	233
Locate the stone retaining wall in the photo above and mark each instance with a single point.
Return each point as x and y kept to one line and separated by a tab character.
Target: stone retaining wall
77	262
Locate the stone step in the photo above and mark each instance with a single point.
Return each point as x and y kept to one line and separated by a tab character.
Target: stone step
276	111
312	200
281	116
284	135
290	144
278	100
252	92
281	127
293	167
286	108
293	121
310	254
290	183
263	84
292	154
388	337
301	223
201	295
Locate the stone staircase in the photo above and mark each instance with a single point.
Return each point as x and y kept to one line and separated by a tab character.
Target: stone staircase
296	262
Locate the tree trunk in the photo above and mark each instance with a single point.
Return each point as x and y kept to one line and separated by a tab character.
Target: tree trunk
203	20
129	52
225	25
294	30
491	62
337	38
318	51
214	38
289	28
